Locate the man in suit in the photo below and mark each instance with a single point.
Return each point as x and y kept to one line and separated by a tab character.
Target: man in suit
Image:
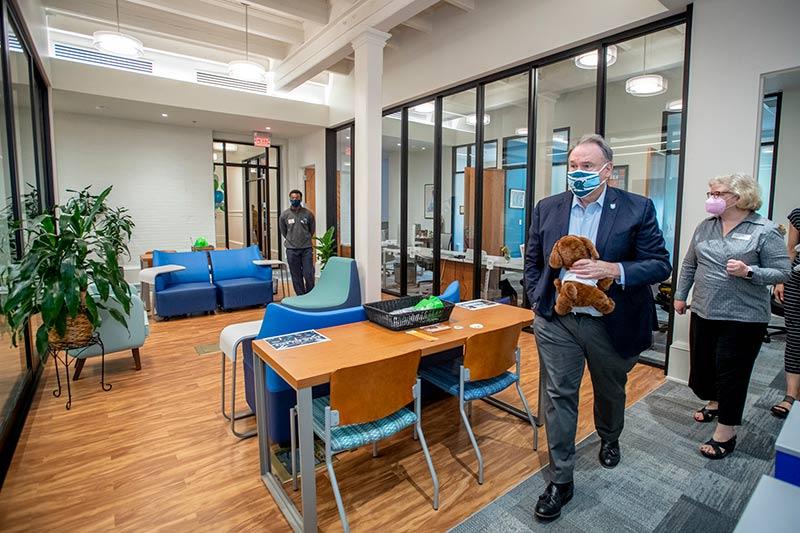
625	231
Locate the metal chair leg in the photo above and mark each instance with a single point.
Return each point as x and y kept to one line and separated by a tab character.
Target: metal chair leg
234	417
375	449
336	494
222	395
530	416
472	439
418	431
293	431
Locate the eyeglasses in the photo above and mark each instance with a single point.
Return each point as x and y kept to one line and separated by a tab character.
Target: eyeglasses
717	194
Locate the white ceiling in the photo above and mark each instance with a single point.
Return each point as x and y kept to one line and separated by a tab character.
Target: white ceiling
88	104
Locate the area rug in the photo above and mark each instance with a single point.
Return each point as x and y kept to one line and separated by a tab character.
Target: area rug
663	483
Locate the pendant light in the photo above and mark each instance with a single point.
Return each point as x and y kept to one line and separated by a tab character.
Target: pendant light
247	70
646	84
588	61
117	43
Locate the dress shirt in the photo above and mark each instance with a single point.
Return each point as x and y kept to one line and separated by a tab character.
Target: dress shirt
585	221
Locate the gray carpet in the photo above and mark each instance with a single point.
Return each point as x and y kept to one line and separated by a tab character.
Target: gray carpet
663	483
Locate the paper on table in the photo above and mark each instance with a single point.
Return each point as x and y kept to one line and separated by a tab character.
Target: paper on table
295	340
473	305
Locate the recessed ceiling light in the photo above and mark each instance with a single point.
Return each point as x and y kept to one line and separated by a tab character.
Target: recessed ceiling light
398	144
473	119
267	128
423	147
347	164
675	105
348	138
521	131
164	115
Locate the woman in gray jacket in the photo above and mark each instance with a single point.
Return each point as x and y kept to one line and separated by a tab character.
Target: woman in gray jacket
734	256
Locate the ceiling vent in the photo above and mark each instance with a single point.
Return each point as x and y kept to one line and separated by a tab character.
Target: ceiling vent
85	55
221	80
13	44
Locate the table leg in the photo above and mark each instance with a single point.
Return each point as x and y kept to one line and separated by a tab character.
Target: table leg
308	482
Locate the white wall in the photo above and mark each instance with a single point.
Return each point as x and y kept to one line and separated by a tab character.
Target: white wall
303	152
161	173
36	21
787	186
733	43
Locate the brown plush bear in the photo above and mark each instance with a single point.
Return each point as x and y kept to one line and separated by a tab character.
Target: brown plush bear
572	290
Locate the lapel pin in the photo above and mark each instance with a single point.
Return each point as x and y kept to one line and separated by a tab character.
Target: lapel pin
613	206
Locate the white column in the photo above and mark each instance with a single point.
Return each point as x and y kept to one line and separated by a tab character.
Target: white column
368	48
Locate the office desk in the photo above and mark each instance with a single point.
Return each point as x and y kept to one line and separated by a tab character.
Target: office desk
350	345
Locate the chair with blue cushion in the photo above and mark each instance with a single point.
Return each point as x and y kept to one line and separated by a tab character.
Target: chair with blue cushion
368	403
280	320
187	291
115	336
482	373
238	281
338	287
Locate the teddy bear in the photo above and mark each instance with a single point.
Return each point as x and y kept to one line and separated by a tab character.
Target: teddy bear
572	290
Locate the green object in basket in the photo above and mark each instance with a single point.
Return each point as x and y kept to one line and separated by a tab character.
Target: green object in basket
431	302
201	242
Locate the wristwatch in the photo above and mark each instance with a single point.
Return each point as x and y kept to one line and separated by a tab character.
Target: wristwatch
749	274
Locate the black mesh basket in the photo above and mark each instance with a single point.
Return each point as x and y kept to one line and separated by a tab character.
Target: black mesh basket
380	313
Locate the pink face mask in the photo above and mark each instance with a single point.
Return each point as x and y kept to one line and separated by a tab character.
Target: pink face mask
716	206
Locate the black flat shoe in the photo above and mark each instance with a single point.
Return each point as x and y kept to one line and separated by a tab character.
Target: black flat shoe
779	411
609	455
554	497
721	449
707	414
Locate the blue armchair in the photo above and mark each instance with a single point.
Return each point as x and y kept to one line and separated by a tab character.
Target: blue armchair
240	283
338	288
279	320
187	291
115	336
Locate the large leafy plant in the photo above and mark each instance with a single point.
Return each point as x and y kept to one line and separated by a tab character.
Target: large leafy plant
326	246
77	244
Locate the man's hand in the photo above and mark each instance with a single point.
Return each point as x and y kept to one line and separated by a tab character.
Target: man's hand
592	269
679	306
736	268
779	292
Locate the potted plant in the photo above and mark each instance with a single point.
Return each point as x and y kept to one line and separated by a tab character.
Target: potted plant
326	246
76	245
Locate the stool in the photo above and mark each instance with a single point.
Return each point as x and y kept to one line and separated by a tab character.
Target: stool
229	340
282	267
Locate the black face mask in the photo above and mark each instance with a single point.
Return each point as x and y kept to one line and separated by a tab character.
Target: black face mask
295	202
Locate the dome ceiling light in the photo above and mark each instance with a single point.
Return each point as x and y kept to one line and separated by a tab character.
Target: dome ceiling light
589	59
117	43
646	84
247	70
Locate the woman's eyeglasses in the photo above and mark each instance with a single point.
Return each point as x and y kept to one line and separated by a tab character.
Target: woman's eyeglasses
717	194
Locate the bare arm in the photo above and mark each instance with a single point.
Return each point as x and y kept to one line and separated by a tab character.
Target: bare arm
794	240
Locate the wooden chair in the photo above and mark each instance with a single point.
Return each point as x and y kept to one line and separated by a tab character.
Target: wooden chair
482	373
368	403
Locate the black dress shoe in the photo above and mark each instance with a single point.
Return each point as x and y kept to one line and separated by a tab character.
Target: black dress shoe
609	454
555	496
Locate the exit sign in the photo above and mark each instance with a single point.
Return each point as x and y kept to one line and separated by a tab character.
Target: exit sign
261	139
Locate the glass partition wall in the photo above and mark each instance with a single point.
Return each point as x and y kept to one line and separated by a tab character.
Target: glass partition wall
247	197
462	170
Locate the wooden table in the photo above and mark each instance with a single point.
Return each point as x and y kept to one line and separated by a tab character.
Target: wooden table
350	345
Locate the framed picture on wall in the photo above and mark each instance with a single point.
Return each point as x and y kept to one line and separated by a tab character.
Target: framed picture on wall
516	199
428	200
619	177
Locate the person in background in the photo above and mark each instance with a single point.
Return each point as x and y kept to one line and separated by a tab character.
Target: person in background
624	229
297	226
789	296
732	258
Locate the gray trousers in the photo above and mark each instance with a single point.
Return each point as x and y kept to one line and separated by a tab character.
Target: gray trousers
301	268
565	344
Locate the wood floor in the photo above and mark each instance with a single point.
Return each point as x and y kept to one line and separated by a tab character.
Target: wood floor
154	453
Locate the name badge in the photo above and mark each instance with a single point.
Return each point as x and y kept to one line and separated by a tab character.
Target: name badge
741	236
290	221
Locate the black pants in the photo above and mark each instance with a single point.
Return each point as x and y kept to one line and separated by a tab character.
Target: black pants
301	267
722	354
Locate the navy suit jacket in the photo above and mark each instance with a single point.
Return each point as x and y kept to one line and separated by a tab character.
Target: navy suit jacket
628	234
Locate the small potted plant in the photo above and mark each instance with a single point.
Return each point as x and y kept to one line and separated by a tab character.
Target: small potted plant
76	245
326	246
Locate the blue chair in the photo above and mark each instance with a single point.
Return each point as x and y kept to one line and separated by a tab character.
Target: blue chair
115	336
452	293
338	288
238	281
367	403
187	291
482	372
281	397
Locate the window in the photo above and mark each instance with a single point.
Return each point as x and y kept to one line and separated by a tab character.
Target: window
390	203
344	191
767	154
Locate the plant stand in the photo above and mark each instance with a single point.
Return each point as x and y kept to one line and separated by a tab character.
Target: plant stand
67	362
